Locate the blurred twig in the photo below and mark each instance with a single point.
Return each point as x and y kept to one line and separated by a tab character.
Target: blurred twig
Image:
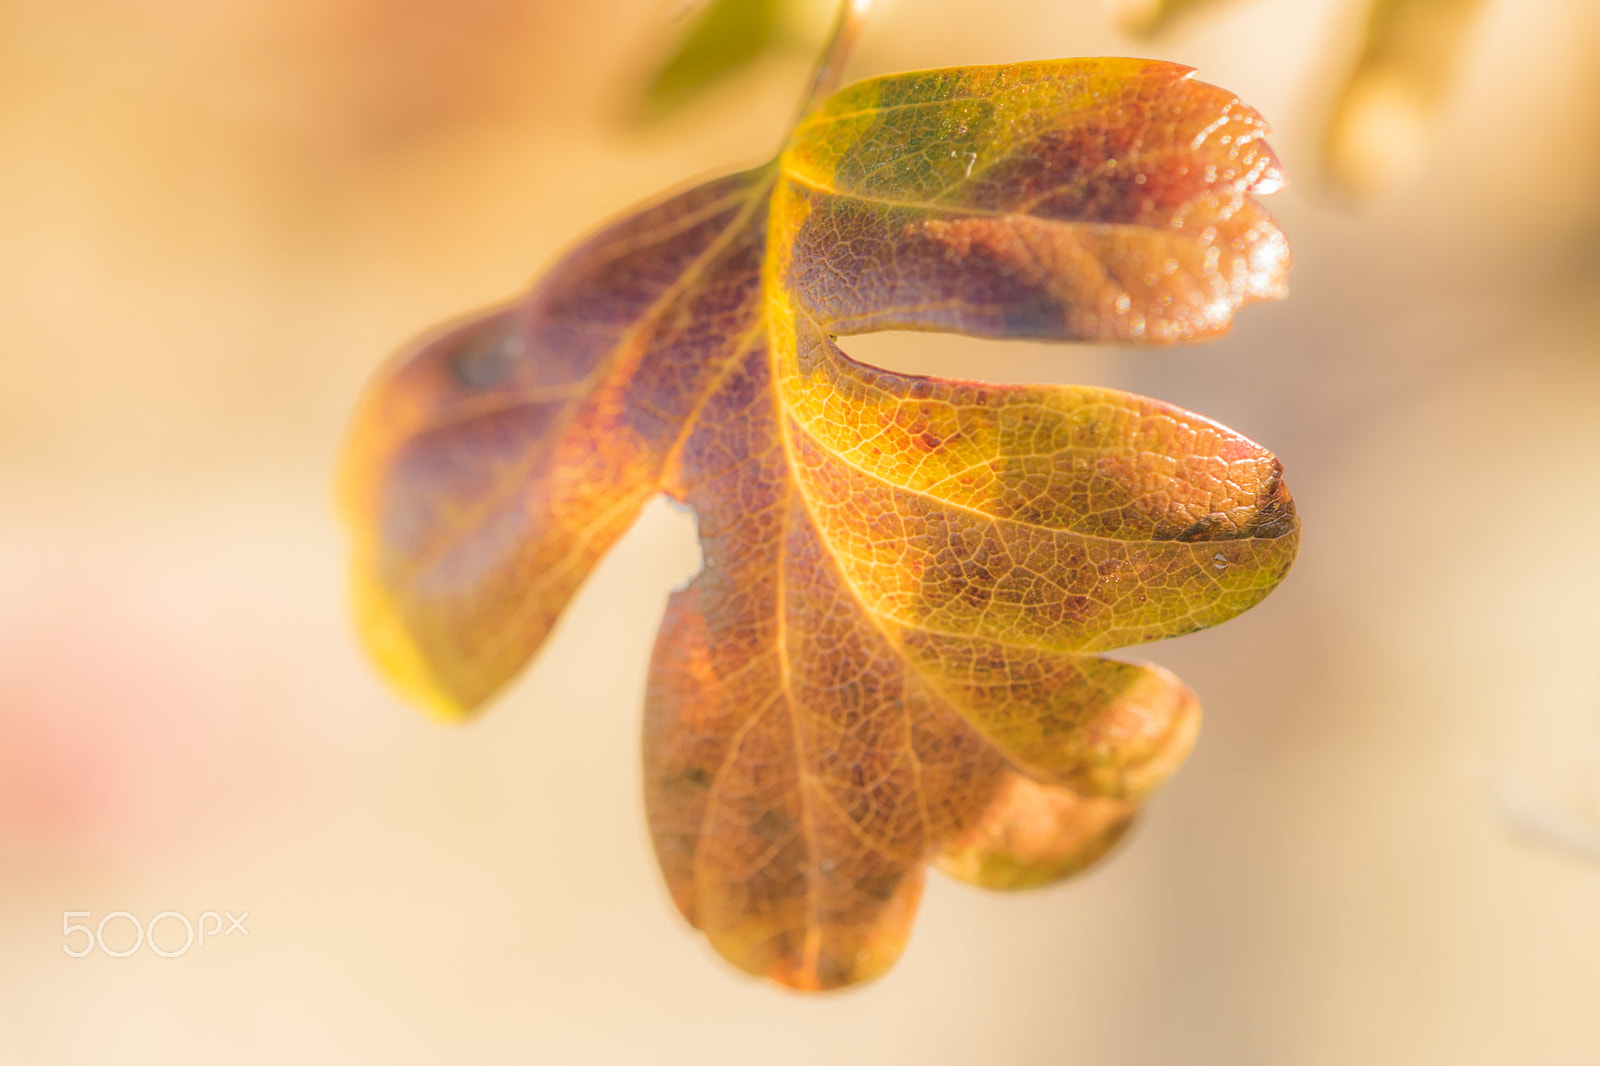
853	15
1532	815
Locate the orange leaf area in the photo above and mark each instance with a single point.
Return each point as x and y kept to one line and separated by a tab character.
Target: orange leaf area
892	655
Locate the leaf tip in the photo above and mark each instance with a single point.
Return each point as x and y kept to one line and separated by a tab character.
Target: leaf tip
405	667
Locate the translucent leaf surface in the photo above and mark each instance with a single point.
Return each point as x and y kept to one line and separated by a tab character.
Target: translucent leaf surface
892	655
724	36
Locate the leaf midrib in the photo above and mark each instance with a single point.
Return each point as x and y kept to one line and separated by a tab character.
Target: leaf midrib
797	489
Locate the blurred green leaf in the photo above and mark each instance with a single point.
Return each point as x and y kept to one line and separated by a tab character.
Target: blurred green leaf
1384	114
724	36
1146	18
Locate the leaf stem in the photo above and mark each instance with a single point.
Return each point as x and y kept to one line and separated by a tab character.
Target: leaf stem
853	15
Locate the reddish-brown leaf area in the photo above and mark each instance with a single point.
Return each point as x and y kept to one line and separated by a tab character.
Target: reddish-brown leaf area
891	655
516	447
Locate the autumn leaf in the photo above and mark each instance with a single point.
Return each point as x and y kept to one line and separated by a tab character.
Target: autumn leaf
892	654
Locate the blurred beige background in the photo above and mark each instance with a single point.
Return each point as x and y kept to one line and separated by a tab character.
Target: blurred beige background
217	218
